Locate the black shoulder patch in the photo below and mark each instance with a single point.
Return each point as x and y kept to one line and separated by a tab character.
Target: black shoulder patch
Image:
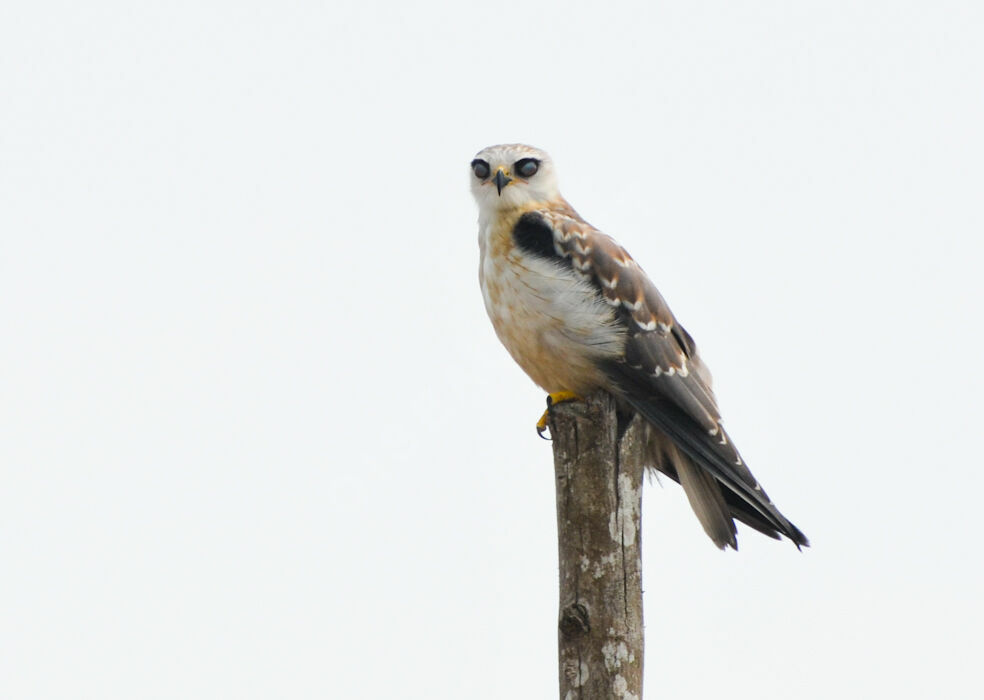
534	235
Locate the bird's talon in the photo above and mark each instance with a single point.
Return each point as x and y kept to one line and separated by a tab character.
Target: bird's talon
541	425
552	400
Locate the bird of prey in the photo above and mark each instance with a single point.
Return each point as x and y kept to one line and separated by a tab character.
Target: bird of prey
579	315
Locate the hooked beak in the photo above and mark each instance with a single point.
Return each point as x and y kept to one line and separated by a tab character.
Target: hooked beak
501	180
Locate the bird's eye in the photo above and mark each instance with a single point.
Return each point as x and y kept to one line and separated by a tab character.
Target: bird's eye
480	168
527	167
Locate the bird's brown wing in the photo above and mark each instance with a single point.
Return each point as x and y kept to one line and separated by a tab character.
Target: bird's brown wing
662	377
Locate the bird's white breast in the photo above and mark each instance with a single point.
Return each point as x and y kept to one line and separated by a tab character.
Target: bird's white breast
551	320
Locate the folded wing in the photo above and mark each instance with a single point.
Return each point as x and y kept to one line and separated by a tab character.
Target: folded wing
662	378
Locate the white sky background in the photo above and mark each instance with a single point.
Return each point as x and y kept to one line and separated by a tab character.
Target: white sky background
258	439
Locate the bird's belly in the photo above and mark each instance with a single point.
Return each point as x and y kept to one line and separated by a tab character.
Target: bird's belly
552	321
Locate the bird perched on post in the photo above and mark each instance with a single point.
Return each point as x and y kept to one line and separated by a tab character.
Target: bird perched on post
578	314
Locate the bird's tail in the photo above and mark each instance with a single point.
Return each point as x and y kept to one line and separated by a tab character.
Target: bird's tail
702	489
717	505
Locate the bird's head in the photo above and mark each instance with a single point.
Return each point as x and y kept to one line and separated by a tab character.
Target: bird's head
512	175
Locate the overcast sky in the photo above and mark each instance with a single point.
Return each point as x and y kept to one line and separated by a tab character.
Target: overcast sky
258	439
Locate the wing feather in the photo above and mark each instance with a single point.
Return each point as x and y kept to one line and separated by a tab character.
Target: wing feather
662	377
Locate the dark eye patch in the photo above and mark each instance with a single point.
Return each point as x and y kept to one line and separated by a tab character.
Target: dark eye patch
527	167
480	168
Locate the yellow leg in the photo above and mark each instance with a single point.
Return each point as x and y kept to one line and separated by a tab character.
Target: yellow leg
552	400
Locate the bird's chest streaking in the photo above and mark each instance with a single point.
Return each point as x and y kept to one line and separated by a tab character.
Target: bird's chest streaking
550	318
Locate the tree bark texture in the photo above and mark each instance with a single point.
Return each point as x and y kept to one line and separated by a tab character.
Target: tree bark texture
599	490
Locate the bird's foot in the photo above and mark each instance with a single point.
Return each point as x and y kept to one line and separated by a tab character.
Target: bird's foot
552	400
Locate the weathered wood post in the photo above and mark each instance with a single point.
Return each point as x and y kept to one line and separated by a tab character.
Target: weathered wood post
599	496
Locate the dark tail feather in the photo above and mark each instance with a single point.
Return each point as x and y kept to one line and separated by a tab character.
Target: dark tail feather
747	500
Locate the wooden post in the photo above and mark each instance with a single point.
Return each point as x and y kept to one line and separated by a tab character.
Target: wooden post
599	490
